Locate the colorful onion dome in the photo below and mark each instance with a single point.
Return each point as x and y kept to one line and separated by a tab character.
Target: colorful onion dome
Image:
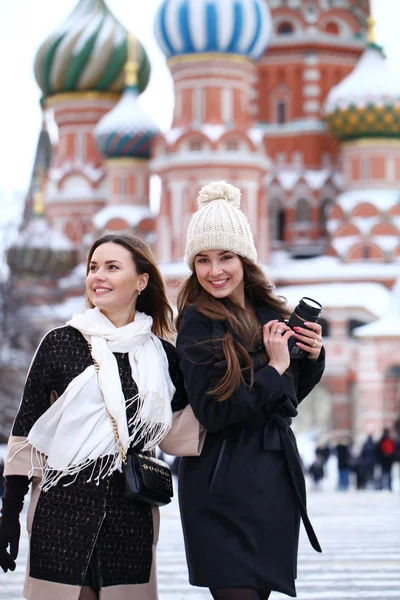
367	102
126	131
39	250
87	53
226	26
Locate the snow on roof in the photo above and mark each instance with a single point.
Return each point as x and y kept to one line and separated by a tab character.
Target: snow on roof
343	244
381	199
364	224
389	324
297	126
214	132
317	179
373	297
173	134
325	268
288	178
371	81
38	234
387	242
133	215
256	135
92	173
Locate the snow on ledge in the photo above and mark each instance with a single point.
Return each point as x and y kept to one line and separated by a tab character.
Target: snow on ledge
373	297
133	215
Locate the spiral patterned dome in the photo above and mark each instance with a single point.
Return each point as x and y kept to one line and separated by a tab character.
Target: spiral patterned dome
126	131
87	53
226	26
367	102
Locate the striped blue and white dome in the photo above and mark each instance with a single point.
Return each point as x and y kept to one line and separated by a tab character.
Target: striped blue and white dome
226	26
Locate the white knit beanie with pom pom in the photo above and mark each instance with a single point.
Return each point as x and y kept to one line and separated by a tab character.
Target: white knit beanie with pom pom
219	224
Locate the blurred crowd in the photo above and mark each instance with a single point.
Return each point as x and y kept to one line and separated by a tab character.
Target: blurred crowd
368	467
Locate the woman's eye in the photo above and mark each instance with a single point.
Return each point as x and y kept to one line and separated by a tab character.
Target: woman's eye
92	268
113	267
227	257
202	260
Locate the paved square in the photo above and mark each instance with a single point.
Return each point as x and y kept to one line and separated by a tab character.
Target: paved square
359	533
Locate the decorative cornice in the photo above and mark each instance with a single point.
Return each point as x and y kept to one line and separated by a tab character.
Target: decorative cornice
70	97
209	56
373	141
125	162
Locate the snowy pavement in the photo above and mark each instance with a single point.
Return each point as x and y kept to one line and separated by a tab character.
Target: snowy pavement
359	533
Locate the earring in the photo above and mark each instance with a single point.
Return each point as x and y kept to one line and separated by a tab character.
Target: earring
139	292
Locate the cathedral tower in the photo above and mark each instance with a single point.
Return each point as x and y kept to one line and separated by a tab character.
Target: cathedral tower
80	70
211	48
315	44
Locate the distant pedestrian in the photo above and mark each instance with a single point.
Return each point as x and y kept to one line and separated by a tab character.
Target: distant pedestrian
316	470
366	463
344	459
386	452
99	388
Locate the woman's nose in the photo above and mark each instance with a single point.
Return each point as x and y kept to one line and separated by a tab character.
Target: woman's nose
215	269
99	275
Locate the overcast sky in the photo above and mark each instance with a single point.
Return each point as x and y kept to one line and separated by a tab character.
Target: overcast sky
25	24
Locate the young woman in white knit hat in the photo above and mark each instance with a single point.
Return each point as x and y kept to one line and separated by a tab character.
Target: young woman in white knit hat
242	499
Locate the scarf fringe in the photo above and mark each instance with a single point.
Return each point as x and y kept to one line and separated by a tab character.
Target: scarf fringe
145	432
108	464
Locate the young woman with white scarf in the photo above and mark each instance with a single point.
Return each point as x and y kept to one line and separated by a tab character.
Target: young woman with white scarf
85	536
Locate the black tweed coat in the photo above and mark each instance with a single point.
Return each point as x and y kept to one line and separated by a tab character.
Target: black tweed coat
242	499
71	522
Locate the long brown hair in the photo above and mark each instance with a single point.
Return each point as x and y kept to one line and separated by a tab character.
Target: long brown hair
153	299
239	320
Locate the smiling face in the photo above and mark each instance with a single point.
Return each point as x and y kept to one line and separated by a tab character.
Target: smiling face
112	282
220	273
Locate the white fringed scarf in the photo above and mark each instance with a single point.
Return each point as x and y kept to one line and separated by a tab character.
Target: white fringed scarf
76	430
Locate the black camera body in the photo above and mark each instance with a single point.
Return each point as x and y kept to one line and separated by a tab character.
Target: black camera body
306	310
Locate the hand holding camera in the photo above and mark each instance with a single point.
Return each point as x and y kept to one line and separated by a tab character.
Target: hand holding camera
304	322
276	336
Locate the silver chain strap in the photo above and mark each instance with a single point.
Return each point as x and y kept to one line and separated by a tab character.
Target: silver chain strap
114	423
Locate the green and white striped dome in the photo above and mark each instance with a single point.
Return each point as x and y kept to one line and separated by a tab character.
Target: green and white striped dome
87	53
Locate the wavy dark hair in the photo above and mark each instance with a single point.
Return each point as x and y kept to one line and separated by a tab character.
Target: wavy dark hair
153	299
257	289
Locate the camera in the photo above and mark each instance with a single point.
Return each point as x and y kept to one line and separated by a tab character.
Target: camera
306	310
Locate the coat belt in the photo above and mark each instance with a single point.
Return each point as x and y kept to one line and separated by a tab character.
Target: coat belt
293	462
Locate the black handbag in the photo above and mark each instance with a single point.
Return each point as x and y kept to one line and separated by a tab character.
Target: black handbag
148	480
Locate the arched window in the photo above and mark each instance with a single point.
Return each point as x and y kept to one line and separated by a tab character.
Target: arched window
195	145
366	252
332	28
285	28
281	112
276	220
303	211
325	208
352	324
232	145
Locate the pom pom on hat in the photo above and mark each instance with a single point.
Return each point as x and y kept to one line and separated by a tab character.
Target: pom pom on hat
219	190
219	224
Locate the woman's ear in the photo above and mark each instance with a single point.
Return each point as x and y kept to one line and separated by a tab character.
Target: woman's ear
143	281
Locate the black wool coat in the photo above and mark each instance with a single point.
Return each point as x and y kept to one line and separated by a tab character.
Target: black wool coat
80	517
242	499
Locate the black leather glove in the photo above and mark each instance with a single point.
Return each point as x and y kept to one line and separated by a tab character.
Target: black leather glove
16	486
